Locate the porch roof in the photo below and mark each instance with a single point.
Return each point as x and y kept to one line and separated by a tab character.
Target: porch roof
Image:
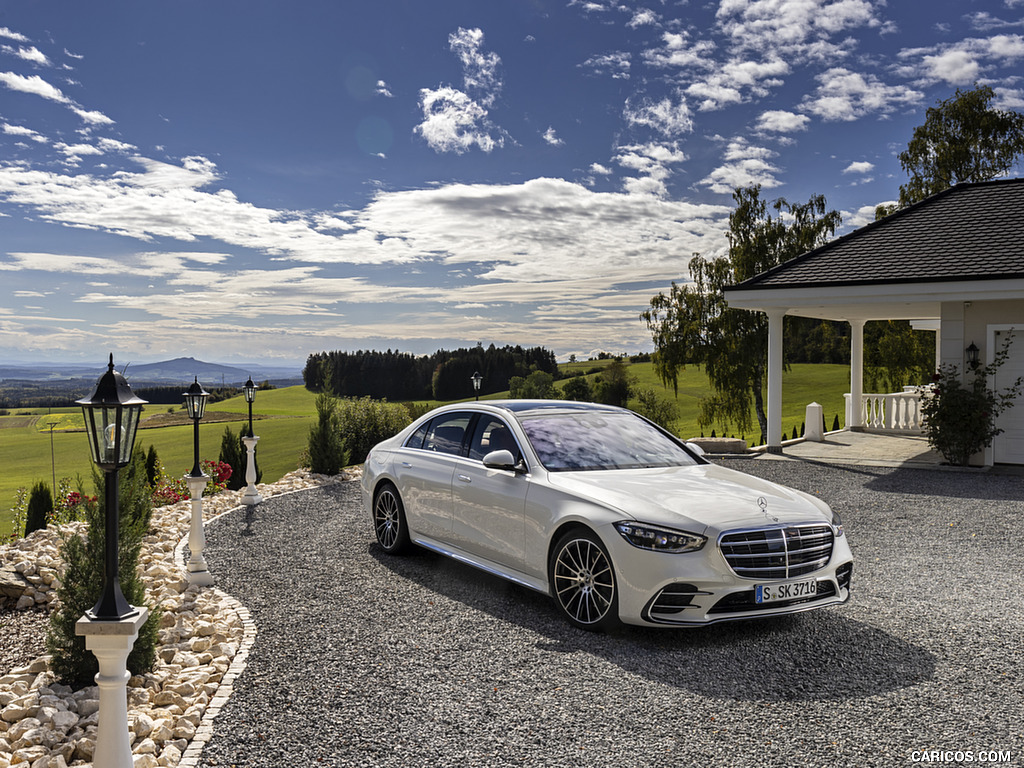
963	244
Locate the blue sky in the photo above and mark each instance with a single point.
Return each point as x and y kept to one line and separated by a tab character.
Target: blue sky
242	181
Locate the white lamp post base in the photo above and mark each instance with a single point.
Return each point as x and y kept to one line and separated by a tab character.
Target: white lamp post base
198	573
111	642
251	495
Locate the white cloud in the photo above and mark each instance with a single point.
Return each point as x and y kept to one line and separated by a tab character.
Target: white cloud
552	138
383	89
653	162
31	54
846	95
454	120
20	130
964	61
600	169
677	50
781	121
615	64
668	117
11	35
643	17
33	84
743	165
860	167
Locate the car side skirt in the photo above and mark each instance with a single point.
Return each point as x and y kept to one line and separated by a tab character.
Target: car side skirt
509	574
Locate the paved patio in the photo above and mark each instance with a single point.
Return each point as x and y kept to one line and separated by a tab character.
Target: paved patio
865	448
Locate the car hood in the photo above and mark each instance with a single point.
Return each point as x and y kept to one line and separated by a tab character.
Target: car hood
701	499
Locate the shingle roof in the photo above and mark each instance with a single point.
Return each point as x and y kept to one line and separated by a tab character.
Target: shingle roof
967	232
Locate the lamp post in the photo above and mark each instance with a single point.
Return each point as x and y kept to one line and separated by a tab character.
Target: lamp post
477	379
111	626
198	573
251	495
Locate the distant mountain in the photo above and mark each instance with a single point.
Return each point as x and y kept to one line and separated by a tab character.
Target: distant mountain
178	371
183	368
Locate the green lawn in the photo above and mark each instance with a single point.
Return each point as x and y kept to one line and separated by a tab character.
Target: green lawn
282	418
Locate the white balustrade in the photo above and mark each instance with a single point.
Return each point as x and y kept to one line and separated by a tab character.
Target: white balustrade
892	412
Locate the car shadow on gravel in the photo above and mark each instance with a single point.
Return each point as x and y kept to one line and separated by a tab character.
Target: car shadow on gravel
817	656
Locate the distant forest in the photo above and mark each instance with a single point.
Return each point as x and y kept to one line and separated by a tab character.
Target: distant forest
444	375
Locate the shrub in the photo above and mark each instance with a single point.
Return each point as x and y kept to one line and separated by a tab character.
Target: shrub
152	467
364	422
326	448
614	386
659	410
82	582
578	388
960	416
40	508
234	453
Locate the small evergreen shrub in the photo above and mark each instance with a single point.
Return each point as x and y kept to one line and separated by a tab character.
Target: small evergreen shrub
82	581
40	508
152	467
234	453
364	422
326	448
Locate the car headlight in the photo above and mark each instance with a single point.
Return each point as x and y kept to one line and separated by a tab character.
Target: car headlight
838	525
657	539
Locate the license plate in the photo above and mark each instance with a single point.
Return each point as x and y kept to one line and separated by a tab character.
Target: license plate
794	590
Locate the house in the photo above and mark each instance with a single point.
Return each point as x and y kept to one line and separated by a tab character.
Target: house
953	262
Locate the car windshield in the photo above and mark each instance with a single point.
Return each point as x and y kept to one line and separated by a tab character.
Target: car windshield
608	440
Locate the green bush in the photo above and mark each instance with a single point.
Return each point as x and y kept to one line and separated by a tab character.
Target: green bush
152	467
40	508
364	422
659	410
326	448
82	582
578	388
233	453
960	416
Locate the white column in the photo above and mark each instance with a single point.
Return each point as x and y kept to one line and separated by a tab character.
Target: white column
111	641
775	323
855	419
251	495
198	573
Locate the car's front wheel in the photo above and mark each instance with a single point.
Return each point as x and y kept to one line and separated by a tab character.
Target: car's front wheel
389	521
583	581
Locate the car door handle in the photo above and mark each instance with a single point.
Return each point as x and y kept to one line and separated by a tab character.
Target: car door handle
465	478
406	465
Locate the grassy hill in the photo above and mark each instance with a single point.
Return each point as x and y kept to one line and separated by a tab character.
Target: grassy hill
282	418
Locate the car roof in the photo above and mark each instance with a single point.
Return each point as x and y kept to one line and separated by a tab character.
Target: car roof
532	407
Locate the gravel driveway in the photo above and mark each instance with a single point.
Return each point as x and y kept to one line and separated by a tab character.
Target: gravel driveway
368	660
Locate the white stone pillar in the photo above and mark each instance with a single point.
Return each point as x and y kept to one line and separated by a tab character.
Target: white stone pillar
814	424
198	573
775	323
111	641
251	495
855	420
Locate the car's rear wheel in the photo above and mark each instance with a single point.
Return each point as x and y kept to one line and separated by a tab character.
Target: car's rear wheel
583	581
389	521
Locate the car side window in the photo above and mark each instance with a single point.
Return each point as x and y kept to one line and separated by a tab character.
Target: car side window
492	434
416	438
447	433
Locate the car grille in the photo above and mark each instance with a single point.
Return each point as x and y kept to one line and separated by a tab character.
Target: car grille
777	553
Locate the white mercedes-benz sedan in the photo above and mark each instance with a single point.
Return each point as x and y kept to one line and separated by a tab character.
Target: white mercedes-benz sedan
613	517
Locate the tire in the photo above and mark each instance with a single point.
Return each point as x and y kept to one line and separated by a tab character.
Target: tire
389	521
583	581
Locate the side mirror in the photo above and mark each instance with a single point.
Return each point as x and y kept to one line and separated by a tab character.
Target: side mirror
695	448
502	460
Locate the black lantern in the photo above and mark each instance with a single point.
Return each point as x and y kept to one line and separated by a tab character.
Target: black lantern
477	379
972	356
195	404
250	396
111	416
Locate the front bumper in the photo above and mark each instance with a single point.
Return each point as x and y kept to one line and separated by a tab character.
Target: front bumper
699	588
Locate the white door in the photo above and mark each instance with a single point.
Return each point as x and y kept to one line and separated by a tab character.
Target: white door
1008	447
